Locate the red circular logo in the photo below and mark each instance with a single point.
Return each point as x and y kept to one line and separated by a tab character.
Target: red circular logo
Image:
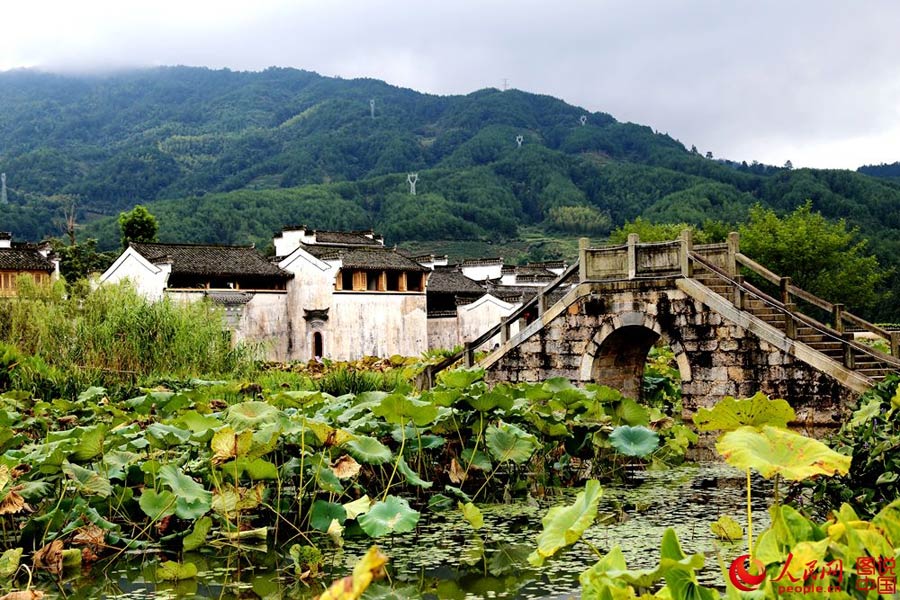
742	578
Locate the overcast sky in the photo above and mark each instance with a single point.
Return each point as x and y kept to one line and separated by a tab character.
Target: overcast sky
816	82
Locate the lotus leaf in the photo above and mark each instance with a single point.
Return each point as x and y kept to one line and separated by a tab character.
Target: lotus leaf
197	423
368	450
629	412
193	500
460	378
90	444
256	469
634	441
772	450
360	506
499	397
250	415
439	503
157	505
227	444
888	519
731	413
345	467
476	460
411	476
197	536
472	514
393	515
369	568
9	562
167	435
172	571
866	412
508	442
564	525
230	500
399	409
726	528
87	481
323	513
92	393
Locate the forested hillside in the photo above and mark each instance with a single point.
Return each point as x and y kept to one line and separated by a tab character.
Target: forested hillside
230	157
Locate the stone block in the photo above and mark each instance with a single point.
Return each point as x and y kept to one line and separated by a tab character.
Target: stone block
775	358
728	345
736	374
708	345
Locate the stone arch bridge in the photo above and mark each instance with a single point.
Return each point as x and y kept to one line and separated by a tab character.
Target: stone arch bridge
731	335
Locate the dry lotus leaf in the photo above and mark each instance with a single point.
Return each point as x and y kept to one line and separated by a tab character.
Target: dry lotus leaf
50	557
24	595
457	473
89	535
346	467
12	503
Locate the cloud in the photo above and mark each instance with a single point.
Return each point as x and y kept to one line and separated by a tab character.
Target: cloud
813	81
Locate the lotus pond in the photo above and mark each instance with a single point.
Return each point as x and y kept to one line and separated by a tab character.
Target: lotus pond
445	558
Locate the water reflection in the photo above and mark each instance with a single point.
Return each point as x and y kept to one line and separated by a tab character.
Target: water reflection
445	559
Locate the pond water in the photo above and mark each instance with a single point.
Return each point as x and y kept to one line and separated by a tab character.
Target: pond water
445	558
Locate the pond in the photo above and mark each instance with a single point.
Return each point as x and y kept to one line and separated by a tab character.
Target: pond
445	558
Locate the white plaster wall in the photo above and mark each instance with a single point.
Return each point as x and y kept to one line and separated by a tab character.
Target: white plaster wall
312	288
290	240
482	272
481	315
148	279
508	279
376	324
443	333
264	320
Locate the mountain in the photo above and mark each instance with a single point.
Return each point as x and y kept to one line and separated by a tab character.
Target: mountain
230	157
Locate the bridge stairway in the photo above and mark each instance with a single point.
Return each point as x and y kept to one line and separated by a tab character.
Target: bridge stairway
829	343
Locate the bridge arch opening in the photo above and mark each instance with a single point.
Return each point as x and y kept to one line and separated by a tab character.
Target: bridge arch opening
621	358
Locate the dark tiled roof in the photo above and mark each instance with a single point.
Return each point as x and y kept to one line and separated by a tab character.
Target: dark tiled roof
476	262
449	280
535	271
196	259
378	258
513	293
346	238
22	259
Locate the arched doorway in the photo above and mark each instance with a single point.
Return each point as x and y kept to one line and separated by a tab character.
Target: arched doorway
318	345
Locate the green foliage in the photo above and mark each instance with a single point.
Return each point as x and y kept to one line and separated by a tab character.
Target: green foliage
820	256
634	441
648	231
730	413
137	225
564	525
578	219
79	260
870	440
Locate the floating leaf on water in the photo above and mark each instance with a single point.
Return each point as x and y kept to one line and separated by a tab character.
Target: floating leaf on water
726	528
731	413
634	441
368	450
775	451
472	514
197	536
564	525
393	515
172	571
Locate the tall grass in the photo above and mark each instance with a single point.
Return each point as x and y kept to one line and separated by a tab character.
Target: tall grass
113	334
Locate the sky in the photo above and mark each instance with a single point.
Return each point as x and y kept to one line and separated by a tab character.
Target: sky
813	82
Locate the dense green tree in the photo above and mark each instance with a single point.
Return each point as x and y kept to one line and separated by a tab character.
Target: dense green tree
823	257
78	261
137	225
656	232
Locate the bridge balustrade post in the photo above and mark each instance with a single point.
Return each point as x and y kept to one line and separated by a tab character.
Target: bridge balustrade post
504	330
684	255
583	245
785	285
895	344
633	240
733	245
837	313
849	359
790	323
542	304
739	295
469	358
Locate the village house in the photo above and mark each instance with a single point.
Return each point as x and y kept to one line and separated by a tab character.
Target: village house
335	294
36	260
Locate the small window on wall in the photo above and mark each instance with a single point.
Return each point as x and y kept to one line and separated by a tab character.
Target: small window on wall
344	280
318	345
393	281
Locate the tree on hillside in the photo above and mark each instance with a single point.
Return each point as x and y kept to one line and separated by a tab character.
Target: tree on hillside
821	256
648	231
137	225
